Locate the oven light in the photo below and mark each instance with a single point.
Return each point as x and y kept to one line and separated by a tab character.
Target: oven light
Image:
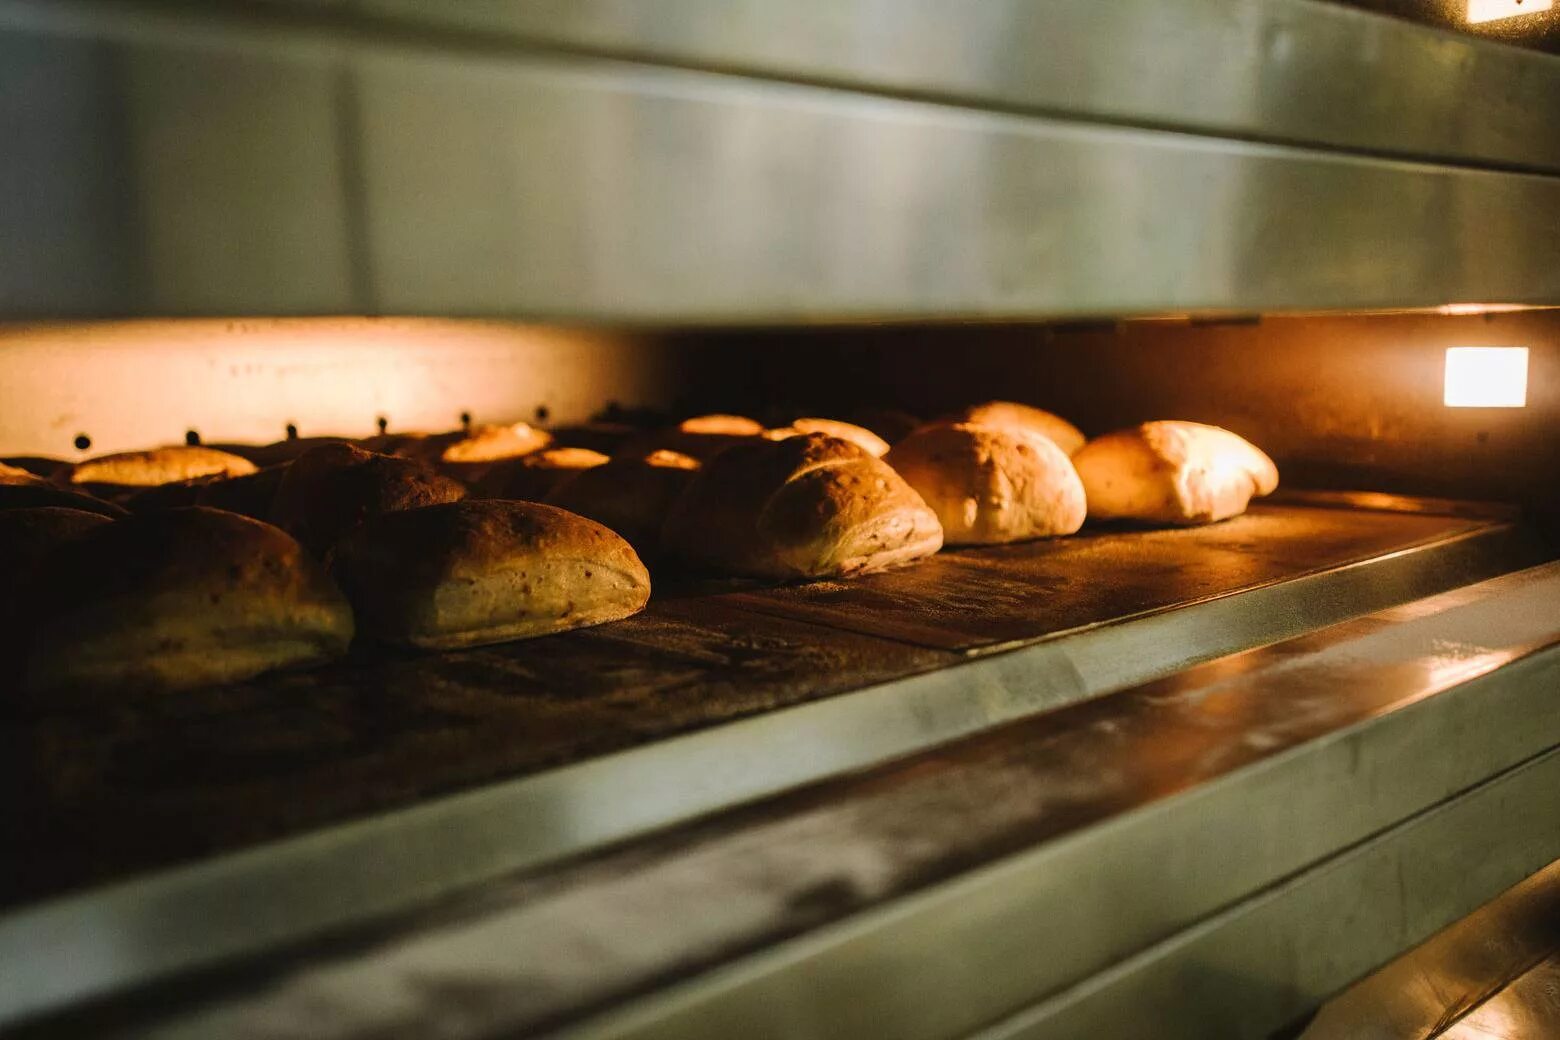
1492	10
1486	377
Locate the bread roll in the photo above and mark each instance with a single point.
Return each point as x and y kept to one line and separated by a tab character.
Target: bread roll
863	438
175	600
26	535
278	452
605	437
1010	413
533	477
159	466
722	425
33	496
630	496
331	489
1173	472
702	437
17	475
486	571
811	506
991	484
37	465
250	496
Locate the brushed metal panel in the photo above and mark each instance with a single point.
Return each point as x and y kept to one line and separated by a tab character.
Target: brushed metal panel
1162	834
1277	70
587	189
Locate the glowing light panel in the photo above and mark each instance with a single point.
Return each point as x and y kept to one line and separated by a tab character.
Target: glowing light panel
1486	377
1493	10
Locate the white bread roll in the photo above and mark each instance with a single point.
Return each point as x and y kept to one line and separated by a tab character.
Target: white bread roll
632	496
1025	417
175	600
864	438
1173	472
991	484
805	507
722	425
486	571
159	466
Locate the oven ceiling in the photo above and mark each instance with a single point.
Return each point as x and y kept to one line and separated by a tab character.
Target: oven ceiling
705	161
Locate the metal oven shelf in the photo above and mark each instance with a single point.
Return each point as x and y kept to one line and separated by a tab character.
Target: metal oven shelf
344	787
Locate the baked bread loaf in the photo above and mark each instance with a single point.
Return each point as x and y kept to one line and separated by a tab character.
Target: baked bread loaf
811	506
278	452
1037	420
860	436
249	496
630	496
492	443
33	496
991	484
605	437
37	465
159	466
175	600
17	475
331	489
486	571
702	437
1173	472
533	477
26	536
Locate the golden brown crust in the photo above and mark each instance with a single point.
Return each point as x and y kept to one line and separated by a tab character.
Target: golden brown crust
33	496
249	496
17	475
175	600
1173	472
132	469
331	489
722	425
806	507
860	436
1027	417
486	571
990	484
533	477
630	496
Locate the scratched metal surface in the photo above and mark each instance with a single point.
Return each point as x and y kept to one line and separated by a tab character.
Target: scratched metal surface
1076	837
160	781
976	600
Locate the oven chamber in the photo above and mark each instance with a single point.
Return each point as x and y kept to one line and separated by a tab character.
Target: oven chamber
1206	779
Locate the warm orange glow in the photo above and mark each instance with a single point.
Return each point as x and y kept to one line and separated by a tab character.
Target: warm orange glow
1486	377
1493	10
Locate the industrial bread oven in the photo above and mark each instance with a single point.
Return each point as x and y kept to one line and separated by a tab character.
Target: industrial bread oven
1193	781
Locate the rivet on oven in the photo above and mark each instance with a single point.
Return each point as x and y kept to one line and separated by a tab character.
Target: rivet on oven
383	422
83	442
292	431
191	437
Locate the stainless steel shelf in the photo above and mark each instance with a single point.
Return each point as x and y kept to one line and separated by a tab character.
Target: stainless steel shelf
624	167
343	788
1195	853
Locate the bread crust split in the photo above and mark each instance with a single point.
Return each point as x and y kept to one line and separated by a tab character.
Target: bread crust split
173	601
811	506
1025	417
990	484
1173	472
486	571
